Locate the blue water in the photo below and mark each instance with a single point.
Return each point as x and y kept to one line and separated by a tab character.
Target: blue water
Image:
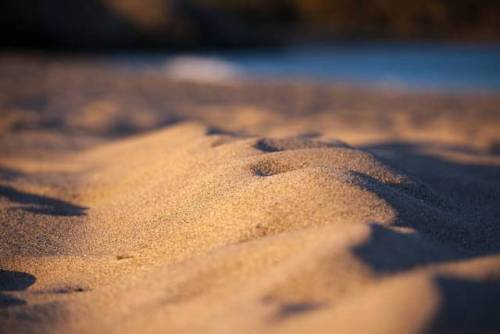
422	66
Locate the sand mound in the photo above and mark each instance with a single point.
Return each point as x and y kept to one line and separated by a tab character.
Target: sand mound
189	229
251	218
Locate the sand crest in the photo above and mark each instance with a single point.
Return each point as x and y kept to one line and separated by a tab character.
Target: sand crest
191	228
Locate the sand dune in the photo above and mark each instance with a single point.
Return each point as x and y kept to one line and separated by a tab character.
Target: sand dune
191	228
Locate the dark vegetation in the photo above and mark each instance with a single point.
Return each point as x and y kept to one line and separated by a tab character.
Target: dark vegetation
131	24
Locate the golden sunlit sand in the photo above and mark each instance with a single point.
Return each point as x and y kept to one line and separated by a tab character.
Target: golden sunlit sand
132	203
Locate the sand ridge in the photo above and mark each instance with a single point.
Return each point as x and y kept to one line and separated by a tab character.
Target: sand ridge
279	208
187	230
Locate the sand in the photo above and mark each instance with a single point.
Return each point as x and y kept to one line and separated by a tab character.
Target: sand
131	203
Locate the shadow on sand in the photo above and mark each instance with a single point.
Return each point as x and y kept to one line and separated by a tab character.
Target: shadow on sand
453	208
13	281
39	204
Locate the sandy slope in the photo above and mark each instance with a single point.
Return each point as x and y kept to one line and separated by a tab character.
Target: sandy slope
265	223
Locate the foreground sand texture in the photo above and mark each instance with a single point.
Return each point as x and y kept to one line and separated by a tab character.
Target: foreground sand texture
133	204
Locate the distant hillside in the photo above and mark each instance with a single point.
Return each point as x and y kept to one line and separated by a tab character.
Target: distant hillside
95	24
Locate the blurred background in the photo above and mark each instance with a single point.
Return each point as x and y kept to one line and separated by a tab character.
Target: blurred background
118	67
424	43
131	24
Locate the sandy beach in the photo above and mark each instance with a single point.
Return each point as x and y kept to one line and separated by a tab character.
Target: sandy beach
131	202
